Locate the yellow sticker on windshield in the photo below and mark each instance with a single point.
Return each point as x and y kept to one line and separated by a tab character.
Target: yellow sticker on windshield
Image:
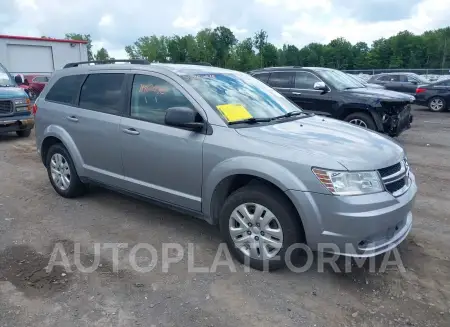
234	112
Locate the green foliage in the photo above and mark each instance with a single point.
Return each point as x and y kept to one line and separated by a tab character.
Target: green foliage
220	47
102	55
82	37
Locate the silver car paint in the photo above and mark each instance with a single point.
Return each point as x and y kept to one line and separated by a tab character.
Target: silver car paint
184	168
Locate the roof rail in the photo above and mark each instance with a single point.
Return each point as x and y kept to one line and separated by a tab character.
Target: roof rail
100	62
280	67
200	63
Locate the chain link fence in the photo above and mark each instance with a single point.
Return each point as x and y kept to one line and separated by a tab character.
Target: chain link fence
430	73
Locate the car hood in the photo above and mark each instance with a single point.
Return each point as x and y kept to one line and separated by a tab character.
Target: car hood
380	94
328	139
12	92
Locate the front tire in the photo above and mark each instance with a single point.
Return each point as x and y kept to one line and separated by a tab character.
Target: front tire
62	173
437	104
361	119
259	224
24	133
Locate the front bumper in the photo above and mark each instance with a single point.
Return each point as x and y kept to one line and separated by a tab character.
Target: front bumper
16	123
359	226
394	125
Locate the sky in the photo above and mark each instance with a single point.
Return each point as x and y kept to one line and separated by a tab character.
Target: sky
113	24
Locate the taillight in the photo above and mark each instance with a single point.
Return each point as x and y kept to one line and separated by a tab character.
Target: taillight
420	90
35	108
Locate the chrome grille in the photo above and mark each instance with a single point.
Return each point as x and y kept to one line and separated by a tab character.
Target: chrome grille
6	106
396	178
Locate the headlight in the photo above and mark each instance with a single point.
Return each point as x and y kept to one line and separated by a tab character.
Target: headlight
349	183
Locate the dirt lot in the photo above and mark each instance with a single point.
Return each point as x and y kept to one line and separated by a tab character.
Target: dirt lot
33	219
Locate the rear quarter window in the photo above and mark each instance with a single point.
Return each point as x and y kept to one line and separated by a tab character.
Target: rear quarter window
263	77
66	89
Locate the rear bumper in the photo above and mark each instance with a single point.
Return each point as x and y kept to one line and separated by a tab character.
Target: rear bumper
16	123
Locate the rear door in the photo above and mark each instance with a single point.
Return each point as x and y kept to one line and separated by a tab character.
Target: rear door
89	108
282	82
305	96
94	126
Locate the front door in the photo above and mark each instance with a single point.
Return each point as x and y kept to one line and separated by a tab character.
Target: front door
305	96
161	162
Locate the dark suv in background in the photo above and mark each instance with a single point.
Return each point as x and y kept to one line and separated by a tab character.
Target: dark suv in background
401	82
333	93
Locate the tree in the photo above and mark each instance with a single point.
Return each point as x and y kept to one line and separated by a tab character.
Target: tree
222	39
260	41
82	37
220	47
102	55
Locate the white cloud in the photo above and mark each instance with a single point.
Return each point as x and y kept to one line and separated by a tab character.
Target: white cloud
106	20
428	14
186	23
297	22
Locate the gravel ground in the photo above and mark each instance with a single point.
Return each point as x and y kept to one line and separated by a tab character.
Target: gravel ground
33	219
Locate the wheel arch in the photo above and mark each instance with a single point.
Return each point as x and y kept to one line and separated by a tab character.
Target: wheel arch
56	134
232	175
352	109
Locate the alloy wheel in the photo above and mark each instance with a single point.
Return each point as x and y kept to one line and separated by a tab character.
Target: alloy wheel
436	104
358	122
255	231
60	171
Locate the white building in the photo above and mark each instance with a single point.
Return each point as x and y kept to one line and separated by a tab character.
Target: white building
32	55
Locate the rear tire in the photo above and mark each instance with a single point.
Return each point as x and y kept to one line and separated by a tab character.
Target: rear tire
24	133
361	119
437	104
263	232
62	173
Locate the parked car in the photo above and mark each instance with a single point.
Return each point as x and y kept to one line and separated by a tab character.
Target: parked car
19	79
15	108
363	82
401	82
36	82
224	147
435	96
333	93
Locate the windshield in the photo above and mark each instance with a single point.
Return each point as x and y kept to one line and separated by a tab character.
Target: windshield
340	80
421	79
357	78
239	92
5	77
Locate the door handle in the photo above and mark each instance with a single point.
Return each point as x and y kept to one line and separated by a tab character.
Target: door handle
73	118
130	131
296	93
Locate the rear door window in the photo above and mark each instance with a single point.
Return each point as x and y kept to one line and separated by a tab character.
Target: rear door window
103	92
282	79
66	89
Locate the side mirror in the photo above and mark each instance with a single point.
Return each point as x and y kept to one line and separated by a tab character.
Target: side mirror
320	86
183	117
414	82
18	79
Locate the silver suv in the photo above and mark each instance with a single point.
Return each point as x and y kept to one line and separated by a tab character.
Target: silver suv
224	147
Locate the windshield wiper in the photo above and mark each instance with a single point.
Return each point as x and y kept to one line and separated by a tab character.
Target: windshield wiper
252	120
291	114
